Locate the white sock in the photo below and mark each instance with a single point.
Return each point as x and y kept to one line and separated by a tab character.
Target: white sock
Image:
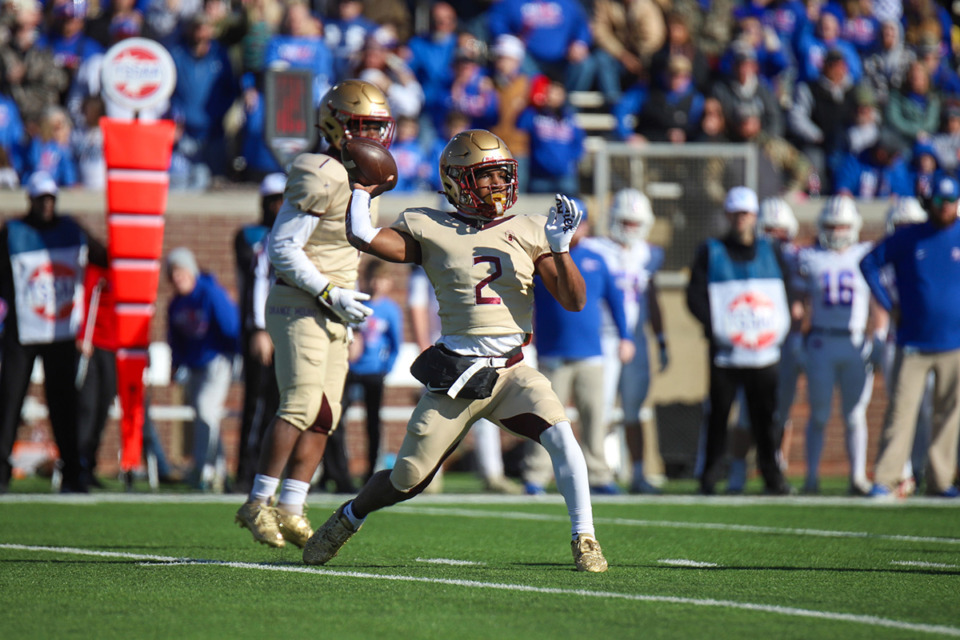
293	493
857	450
263	488
354	520
486	438
570	473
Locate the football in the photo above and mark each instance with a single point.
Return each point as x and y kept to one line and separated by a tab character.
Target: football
368	162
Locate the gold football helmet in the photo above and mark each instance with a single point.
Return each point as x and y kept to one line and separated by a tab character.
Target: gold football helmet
467	156
357	109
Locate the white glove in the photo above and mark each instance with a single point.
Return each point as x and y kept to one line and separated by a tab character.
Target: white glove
345	303
562	223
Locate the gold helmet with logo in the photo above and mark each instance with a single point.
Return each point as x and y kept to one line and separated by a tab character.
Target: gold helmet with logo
467	156
358	109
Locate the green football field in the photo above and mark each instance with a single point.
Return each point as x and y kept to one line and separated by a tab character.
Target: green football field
466	565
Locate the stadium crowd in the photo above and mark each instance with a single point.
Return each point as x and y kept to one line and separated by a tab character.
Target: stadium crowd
858	97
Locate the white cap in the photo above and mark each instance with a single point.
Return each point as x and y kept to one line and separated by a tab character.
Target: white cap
41	183
509	46
273	184
741	199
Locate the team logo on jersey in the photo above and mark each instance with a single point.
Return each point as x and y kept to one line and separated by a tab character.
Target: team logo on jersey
509	236
955	254
50	290
751	321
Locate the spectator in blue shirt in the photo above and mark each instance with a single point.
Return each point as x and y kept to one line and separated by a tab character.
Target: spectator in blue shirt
373	354
11	132
49	151
299	46
942	77
472	91
673	110
205	89
66	39
926	263
570	355
412	166
814	48
431	60
346	34
556	141
556	34
203	330
878	172
858	25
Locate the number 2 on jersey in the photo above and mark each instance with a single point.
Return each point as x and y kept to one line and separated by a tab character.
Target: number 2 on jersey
497	272
837	288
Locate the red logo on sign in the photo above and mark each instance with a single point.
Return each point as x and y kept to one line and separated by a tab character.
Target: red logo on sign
137	72
51	289
751	321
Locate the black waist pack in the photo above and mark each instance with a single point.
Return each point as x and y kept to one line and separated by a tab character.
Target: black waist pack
443	371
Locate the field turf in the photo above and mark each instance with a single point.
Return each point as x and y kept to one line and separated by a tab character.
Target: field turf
465	565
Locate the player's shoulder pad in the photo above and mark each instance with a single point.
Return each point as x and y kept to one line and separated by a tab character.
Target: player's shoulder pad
312	178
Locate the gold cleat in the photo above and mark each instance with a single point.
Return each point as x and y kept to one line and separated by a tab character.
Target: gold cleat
294	528
587	554
261	520
329	538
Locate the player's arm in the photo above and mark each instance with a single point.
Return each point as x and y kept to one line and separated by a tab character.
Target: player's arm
656	323
560	274
563	280
290	234
871	266
385	243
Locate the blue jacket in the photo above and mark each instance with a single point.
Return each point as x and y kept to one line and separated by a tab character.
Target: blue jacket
926	263
863	178
547	27
382	335
576	335
11	132
556	142
432	62
628	108
205	90
202	324
55	159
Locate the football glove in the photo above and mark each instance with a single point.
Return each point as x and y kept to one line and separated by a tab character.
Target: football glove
562	223
346	304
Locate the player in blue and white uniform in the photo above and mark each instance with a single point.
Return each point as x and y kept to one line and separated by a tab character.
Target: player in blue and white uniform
633	262
837	353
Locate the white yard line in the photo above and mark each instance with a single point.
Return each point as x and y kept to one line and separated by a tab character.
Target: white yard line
919	563
681	562
453	563
668	524
873	621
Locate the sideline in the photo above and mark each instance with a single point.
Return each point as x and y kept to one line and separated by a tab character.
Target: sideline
167	561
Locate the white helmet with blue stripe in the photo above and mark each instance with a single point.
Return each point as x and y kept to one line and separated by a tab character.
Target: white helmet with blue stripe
775	214
631	216
905	211
839	223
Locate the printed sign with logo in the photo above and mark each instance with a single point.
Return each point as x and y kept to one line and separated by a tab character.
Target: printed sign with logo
752	321
138	74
